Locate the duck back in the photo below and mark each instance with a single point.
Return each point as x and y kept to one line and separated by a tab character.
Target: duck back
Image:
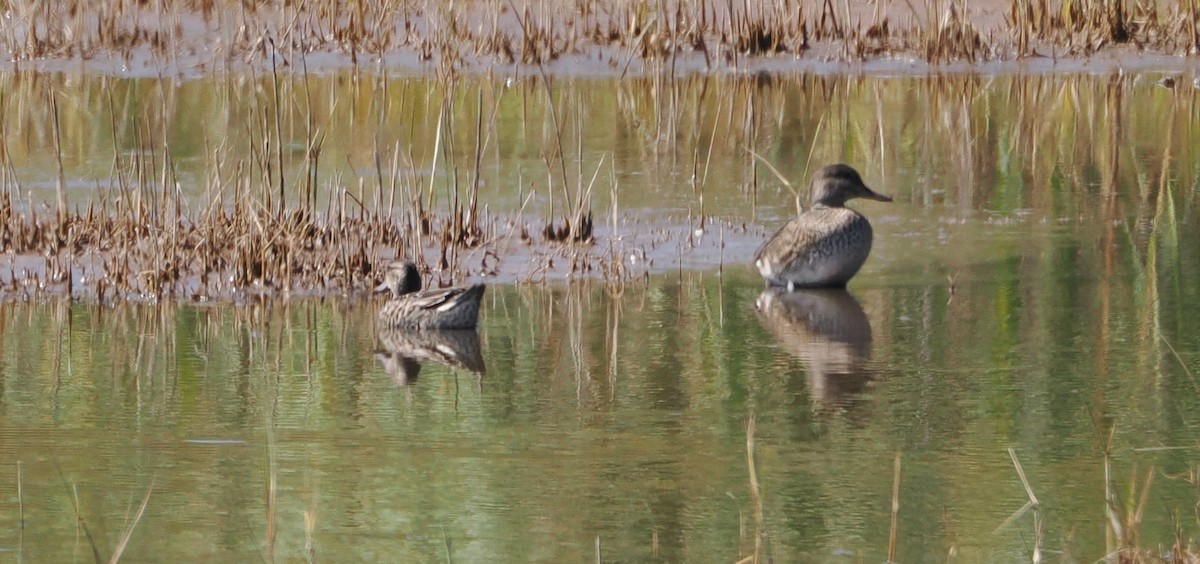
450	308
819	248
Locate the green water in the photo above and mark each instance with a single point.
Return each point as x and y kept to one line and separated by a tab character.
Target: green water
1032	288
621	421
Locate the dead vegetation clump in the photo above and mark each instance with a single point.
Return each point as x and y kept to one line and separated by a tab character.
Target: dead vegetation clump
121	249
1084	27
130	248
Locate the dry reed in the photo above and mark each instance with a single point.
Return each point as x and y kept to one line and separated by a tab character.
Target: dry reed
483	33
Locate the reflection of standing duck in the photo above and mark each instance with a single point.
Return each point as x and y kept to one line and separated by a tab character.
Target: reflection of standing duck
826	245
413	308
402	352
828	330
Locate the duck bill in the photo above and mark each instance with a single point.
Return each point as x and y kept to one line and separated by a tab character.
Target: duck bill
381	288
873	195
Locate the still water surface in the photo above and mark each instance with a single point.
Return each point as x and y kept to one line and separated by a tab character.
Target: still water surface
1033	288
618	419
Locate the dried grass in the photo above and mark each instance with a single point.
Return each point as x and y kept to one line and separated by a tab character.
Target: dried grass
484	33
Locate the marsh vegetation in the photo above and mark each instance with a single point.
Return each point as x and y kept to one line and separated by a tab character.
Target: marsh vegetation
586	36
296	185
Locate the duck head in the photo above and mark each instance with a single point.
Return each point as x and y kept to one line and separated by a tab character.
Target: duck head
402	278
833	185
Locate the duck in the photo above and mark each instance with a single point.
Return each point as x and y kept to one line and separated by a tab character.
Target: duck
826	245
413	308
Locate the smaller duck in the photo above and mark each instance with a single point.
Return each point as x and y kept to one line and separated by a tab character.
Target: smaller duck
826	245
413	308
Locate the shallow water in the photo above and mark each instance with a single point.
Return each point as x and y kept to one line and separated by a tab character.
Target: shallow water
621	421
1030	289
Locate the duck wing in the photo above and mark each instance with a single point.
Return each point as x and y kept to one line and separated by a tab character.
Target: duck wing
798	239
437	300
448	308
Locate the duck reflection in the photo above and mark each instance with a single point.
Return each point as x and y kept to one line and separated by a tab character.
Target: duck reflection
401	351
829	332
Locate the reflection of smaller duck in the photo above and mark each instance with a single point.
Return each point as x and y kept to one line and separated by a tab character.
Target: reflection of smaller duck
828	330
402	352
413	308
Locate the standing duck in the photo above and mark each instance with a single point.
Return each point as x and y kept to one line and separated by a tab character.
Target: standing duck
826	245
413	308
